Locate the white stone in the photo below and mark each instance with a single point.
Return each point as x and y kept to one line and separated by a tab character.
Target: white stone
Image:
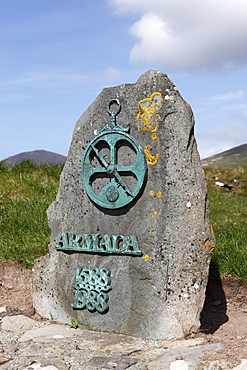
179	365
242	366
219	183
38	366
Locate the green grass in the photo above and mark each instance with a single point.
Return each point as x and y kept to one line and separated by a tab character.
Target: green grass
27	190
228	215
25	193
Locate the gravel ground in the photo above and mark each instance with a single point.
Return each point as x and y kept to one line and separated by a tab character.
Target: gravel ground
220	344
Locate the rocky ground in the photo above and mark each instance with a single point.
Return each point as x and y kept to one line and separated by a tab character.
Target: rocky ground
28	342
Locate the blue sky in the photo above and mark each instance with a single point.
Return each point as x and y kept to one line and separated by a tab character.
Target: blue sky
57	56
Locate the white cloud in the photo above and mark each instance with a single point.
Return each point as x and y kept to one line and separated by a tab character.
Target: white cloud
61	78
38	76
156	32
112	74
240	108
233	95
221	138
187	35
230	102
232	133
13	98
207	149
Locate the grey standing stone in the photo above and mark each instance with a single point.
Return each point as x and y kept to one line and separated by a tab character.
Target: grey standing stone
158	295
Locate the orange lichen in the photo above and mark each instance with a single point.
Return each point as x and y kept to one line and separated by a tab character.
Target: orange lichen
154	136
146	257
158	195
208	245
186	104
154	214
151	159
148	109
211	229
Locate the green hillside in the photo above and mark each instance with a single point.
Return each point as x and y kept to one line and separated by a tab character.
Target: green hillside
235	157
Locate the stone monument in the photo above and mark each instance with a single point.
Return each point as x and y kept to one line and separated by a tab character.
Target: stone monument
131	242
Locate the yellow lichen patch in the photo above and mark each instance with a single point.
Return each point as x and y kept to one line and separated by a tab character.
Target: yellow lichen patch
154	136
154	214
151	159
151	231
158	195
146	257
148	109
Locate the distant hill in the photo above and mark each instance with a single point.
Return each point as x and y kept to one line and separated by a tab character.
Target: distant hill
37	156
229	159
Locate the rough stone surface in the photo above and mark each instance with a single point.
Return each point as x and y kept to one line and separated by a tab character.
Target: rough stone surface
190	357
161	294
90	350
50	333
17	323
